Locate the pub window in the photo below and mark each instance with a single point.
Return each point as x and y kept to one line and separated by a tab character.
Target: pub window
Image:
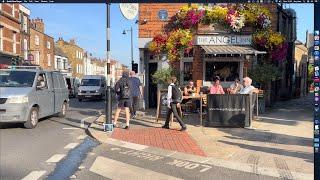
227	71
187	71
188	54
1	40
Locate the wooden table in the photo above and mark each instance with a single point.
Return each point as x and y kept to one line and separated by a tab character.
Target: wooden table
200	97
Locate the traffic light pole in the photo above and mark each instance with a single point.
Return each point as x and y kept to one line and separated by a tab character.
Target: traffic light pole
108	126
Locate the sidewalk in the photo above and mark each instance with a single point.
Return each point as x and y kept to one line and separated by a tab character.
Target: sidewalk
281	140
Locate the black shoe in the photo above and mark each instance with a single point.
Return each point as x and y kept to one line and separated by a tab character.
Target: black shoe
183	128
165	127
127	127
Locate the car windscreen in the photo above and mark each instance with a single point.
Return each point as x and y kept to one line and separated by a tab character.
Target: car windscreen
16	78
90	82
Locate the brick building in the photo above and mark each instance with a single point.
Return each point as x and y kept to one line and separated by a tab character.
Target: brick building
300	68
25	33
41	45
200	64
75	55
10	38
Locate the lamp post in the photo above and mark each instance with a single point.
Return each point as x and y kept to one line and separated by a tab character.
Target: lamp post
124	33
108	126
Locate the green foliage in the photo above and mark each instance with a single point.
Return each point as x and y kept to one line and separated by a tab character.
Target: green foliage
264	73
161	76
310	72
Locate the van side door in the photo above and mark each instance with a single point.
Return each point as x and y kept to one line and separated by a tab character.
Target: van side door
44	92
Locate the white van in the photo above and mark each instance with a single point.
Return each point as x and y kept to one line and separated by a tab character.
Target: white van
92	87
29	93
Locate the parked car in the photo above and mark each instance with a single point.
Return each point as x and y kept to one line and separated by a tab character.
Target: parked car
73	84
92	87
26	95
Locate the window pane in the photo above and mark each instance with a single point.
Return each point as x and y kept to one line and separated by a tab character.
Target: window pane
227	71
187	73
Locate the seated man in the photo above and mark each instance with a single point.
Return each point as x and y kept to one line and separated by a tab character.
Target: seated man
248	88
40	82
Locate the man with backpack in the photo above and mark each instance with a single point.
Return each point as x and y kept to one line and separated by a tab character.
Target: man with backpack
174	99
123	90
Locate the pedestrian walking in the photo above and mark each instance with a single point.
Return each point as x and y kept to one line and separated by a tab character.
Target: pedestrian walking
136	93
123	90
174	99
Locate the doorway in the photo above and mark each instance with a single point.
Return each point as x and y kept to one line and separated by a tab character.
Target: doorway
153	88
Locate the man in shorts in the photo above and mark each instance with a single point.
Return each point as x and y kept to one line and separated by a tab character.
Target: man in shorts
123	90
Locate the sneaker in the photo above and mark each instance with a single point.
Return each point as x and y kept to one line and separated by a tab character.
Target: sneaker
183	128
165	127
127	127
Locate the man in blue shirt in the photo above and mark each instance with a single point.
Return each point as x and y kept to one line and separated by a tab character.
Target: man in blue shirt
136	93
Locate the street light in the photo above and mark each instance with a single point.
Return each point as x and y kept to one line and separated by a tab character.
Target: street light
124	33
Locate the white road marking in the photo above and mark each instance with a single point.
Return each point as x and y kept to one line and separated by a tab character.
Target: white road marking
81	137
55	158
115	149
289	120
206	160
131	172
172	153
34	175
134	146
71	145
70	128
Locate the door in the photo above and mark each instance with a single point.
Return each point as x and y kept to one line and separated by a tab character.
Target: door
153	89
45	94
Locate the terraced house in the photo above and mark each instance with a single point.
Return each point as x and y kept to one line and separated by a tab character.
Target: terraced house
75	55
41	45
10	37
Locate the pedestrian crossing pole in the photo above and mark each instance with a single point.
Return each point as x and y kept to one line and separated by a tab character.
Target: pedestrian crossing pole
108	126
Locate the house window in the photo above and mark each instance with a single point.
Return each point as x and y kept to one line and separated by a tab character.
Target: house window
65	65
227	71
1	40
36	39
58	63
14	46
25	49
48	44
49	59
25	24
187	71
37	58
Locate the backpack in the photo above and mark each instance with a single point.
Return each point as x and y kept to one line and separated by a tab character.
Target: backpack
176	94
124	90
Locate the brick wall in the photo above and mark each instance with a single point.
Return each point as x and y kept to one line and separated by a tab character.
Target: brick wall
149	12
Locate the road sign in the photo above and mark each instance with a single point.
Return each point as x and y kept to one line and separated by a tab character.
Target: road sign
129	10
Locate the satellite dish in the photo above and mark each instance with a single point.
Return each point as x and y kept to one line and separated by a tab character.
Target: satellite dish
129	10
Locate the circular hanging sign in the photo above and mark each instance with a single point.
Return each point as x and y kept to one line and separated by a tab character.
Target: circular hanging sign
163	15
129	10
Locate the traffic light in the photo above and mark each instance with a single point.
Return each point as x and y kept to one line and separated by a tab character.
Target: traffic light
135	67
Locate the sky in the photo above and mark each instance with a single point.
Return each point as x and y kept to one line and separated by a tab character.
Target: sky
87	24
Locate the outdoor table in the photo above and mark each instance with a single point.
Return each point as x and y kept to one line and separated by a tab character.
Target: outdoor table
200	97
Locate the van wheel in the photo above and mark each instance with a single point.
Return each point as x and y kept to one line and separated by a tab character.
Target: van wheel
79	100
64	109
33	119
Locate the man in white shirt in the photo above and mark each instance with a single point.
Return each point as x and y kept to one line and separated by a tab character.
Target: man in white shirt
248	88
173	101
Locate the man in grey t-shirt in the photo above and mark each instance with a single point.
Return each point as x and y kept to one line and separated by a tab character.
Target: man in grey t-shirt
136	93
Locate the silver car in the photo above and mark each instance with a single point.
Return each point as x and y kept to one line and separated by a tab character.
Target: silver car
26	95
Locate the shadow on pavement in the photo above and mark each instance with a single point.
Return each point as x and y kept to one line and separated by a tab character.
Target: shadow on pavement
306	156
263	136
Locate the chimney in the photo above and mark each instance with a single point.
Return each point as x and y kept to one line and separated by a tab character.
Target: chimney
38	24
72	41
60	41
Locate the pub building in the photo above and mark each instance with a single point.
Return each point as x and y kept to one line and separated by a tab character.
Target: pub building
216	50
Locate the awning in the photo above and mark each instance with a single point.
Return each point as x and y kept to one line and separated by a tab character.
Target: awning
230	49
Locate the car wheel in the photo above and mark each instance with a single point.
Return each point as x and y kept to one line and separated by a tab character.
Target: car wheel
79	100
33	119
64	109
